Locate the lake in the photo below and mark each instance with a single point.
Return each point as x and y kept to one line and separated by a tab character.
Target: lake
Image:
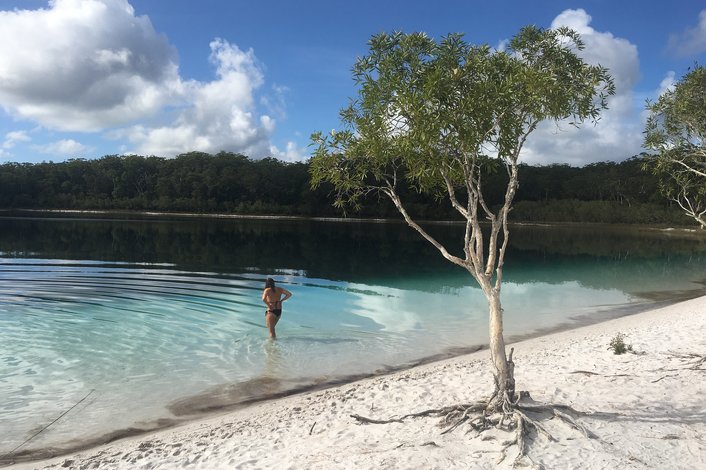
144	323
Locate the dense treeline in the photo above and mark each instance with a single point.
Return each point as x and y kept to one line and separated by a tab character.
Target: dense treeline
191	182
226	182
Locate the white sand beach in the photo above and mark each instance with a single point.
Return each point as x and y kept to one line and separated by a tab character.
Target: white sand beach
647	410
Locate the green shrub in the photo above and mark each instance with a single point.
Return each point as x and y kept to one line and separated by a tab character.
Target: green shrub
617	344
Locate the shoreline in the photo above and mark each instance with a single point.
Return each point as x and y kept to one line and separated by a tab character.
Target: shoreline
161	215
582	348
208	403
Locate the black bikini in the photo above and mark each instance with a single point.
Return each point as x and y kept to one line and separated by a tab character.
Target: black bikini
275	311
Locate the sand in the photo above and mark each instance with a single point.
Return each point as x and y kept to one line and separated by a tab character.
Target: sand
647	410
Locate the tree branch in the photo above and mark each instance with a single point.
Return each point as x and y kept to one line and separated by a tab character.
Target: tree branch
509	196
452	194
688	167
505	210
475	247
389	190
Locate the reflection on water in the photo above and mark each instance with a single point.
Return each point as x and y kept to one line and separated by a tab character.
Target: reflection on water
164	319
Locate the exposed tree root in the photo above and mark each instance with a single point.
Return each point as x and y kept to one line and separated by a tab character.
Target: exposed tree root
693	362
586	372
698	359
514	415
506	410
664	377
364	420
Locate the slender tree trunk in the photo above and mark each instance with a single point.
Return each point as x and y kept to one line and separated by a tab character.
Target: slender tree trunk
503	368
701	219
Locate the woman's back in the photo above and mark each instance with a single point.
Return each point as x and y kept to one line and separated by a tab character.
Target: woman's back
272	296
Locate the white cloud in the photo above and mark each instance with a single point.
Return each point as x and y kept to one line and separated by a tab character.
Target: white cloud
221	114
92	65
65	147
275	103
291	154
84	65
692	41
11	138
502	45
618	134
667	84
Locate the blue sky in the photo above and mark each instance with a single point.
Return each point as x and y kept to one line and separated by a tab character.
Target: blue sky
87	78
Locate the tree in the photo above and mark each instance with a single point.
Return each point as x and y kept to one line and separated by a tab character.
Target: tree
676	130
440	117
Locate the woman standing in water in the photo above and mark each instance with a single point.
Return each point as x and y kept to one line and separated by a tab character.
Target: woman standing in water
273	298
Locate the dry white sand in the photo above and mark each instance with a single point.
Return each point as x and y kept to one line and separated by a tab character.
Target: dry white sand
649	411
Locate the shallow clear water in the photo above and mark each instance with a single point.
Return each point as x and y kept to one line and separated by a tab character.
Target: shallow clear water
163	320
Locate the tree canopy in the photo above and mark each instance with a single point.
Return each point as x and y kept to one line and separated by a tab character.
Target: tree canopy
441	116
676	130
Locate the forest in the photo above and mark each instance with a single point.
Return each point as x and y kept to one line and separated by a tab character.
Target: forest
606	192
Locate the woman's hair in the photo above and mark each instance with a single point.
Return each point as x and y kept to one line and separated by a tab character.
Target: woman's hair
269	283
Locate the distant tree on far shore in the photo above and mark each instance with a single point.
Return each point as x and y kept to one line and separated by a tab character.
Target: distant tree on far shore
676	130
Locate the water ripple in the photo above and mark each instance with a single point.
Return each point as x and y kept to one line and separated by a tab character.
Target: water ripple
146	335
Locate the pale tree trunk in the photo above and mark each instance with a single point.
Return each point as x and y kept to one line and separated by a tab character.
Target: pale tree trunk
486	270
692	208
503	367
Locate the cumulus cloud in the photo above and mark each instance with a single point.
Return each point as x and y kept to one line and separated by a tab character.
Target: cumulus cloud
292	153
84	65
275	103
667	84
12	138
221	114
691	41
93	65
502	45
64	148
619	132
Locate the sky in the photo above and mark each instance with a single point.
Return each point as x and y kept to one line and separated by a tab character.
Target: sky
88	78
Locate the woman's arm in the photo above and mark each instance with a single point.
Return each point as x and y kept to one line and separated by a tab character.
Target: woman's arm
286	293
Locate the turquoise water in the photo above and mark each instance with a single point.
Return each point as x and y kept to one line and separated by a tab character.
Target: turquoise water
160	321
